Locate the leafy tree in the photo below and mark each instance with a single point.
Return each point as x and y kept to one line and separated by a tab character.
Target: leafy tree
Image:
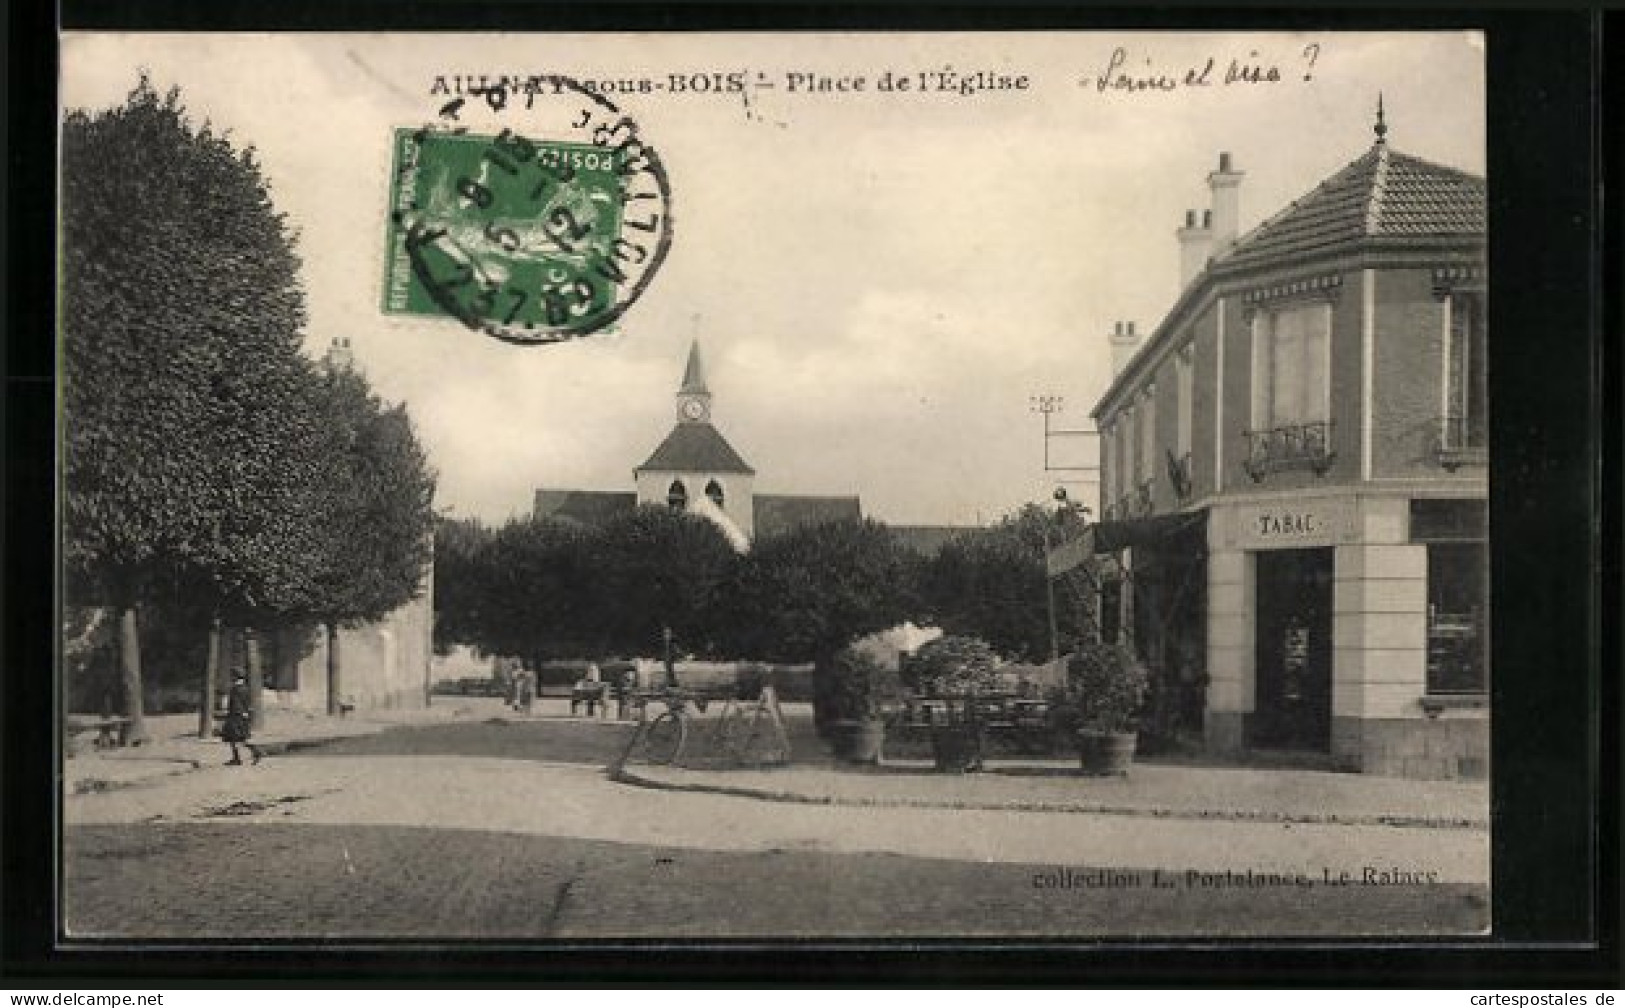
533	581
190	448
654	569
992	584
805	594
459	545
376	518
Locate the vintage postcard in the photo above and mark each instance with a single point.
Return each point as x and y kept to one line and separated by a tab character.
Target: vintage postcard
884	485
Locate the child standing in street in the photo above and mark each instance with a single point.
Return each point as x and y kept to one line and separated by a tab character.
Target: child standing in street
238	726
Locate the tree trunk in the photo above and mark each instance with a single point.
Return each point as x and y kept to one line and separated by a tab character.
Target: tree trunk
256	681
130	666
211	682
334	682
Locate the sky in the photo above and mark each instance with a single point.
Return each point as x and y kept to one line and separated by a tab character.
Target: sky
879	280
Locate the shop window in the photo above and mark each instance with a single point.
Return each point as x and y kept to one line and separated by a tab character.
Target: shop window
1457	617
677	496
713	490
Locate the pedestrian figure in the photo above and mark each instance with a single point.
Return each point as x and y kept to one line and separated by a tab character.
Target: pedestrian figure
624	684
527	689
595	686
239	719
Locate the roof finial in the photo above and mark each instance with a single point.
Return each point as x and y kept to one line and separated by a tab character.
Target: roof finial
1381	129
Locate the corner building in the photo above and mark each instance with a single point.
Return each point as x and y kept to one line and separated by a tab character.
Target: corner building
1294	473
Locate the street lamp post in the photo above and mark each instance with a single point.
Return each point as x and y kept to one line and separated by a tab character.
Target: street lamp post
671	666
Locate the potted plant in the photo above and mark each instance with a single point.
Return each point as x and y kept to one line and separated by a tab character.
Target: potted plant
955	670
1100	706
856	732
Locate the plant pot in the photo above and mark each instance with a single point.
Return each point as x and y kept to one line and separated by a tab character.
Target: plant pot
1101	752
957	748
857	741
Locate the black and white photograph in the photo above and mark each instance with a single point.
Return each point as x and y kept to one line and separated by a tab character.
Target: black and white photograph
529	487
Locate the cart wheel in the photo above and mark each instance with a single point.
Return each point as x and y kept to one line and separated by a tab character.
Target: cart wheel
663	739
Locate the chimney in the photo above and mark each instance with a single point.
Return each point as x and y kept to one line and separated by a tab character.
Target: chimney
1195	245
339	355
1124	342
1225	185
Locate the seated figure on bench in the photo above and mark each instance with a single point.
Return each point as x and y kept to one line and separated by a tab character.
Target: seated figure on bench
588	690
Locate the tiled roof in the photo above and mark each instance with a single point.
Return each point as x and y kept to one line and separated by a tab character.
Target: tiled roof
589	507
776	513
1381	195
696	448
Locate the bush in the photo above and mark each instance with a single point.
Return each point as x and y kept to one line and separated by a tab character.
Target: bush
955	666
854	679
1106	687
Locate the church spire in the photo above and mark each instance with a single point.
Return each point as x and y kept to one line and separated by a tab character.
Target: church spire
694	374
693	398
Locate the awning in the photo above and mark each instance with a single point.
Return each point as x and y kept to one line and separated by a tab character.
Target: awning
1111	536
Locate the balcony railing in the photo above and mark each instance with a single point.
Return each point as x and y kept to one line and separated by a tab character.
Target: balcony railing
1288	447
1462	441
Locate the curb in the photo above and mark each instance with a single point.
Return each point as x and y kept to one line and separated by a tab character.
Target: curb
89	785
630	777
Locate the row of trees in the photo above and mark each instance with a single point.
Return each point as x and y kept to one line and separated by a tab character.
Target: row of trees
553	588
211	470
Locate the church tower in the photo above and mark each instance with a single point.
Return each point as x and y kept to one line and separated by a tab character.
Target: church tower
695	469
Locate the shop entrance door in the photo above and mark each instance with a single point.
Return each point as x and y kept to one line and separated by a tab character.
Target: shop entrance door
1293	707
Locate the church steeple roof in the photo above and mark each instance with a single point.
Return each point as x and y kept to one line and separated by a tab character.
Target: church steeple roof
695	448
694	373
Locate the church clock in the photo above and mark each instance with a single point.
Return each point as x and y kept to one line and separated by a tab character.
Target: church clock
694	409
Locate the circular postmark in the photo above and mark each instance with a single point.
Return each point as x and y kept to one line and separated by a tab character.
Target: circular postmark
531	211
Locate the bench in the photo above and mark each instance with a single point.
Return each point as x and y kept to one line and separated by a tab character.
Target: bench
1025	723
591	694
111	731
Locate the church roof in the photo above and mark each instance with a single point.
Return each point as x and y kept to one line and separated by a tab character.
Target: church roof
1383	196
695	447
928	540
694	373
777	513
589	507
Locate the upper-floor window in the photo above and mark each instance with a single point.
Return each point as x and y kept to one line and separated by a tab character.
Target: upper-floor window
713	490
1125	434
677	496
1106	440
1184	381
1148	435
1466	373
1292	365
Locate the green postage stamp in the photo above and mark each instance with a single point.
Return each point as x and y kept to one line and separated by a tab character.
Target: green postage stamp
527	240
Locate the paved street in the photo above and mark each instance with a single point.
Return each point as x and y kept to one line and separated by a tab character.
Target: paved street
512	828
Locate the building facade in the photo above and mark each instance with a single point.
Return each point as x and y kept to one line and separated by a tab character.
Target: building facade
1294	472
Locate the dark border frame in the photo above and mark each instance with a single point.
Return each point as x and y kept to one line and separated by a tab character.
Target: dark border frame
1554	499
